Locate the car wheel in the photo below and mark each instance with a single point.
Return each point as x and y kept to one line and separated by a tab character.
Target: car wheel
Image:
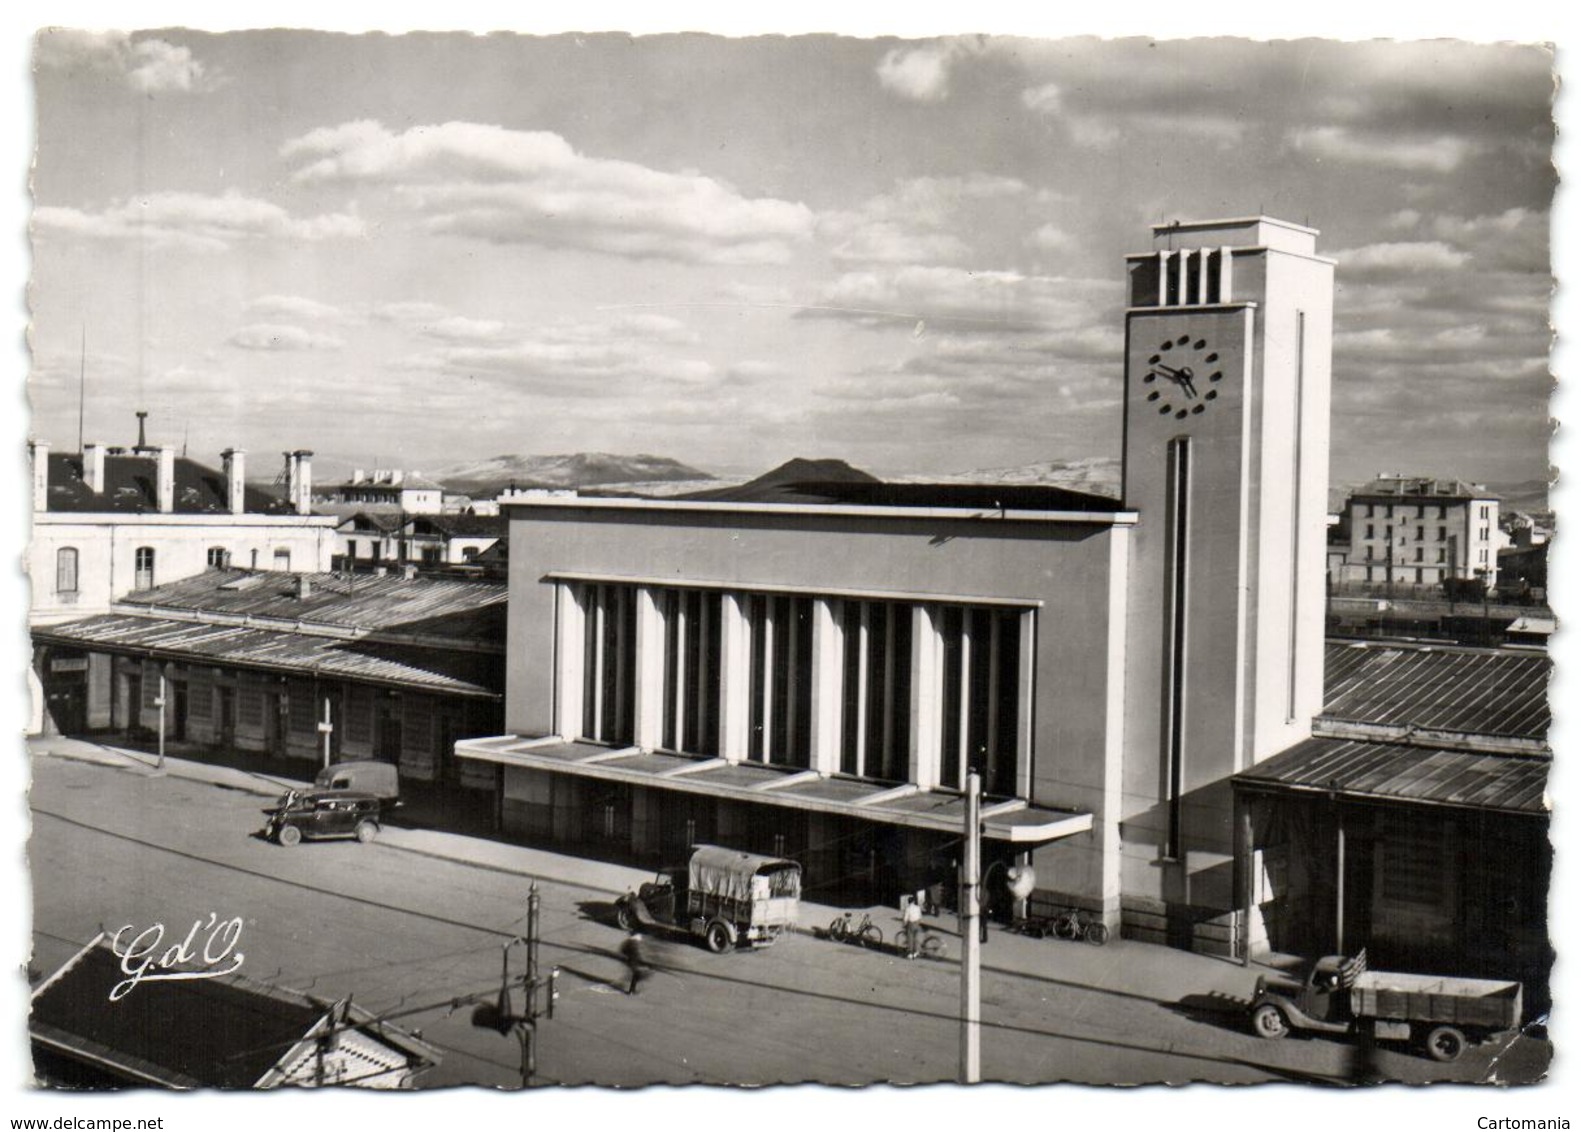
717	937
626	916
1445	1043
1268	1021
288	835
366	831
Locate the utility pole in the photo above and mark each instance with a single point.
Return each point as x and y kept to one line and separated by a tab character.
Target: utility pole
327	729
500	1015
971	955
159	702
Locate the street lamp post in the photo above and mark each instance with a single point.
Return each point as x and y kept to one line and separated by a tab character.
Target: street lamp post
159	702
971	958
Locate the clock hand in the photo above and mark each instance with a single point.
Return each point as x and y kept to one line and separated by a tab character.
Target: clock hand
1182	377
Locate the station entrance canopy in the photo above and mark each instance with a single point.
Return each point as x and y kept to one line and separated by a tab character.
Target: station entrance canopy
1004	819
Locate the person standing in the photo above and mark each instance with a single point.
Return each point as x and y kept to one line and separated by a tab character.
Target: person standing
911	922
636	963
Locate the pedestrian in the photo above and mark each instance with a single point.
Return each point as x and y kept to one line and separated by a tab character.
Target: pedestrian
631	952
911	921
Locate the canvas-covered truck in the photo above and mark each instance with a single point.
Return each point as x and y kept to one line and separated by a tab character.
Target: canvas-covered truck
1339	995
723	897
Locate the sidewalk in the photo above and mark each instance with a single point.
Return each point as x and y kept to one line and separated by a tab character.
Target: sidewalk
1127	967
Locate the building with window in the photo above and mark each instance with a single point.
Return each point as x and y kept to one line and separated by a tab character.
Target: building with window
815	673
276	665
111	521
410	492
1405	532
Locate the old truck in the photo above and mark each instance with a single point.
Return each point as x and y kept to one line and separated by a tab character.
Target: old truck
723	897
1339	995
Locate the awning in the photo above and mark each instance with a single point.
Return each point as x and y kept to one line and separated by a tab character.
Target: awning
276	650
1004	819
1398	772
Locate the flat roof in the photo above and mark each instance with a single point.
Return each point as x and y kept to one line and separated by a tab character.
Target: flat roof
1116	516
1004	819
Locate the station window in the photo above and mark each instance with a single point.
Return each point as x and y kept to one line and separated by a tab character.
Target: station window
982	649
875	720
780	712
692	672
609	662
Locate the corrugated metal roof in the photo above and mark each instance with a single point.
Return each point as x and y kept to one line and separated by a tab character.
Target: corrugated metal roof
1403	773
446	607
195	642
1476	691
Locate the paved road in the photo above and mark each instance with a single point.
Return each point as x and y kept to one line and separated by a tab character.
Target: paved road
407	934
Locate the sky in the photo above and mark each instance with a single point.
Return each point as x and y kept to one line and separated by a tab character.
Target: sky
417	250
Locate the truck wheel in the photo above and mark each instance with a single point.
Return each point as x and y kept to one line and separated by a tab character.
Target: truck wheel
1268	1021
366	831
288	835
717	937
625	916
1445	1043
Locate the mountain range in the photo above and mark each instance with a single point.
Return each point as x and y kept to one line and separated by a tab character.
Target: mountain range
483	478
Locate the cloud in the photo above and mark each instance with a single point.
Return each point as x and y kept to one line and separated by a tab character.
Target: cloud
1442	154
297	307
192	222
455	328
1401	258
149	66
623	356
913	222
279	337
921	74
513	186
410	313
962	298
1043	99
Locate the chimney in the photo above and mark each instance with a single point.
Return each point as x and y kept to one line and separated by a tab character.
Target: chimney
41	475
358	475
93	467
235	480
304	587
142	431
301	463
165	481
396	476
408	571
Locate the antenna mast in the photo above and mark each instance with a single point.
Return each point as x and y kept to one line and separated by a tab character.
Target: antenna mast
82	382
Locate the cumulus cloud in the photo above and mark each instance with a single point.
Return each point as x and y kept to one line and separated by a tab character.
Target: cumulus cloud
624	354
268	336
456	328
961	297
149	66
921	74
1442	154
514	186
1043	99
192	221
1401	258
296	307
920	220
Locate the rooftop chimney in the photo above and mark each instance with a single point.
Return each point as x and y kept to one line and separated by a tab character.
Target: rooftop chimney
304	587
408	570
142	432
93	466
41	475
301	480
358	475
165	480
235	480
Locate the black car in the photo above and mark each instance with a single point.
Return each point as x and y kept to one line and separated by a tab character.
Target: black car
321	814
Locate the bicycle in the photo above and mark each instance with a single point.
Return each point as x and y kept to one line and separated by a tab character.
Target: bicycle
846	928
1073	923
929	945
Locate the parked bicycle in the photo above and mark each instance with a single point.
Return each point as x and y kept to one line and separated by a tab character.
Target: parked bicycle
1073	923
846	928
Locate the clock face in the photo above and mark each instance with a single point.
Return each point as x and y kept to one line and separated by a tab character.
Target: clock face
1183	376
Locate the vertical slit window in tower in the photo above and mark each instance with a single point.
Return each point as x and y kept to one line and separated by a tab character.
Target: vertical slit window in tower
1179	468
1171	279
759	632
1295	514
1213	263
1226	294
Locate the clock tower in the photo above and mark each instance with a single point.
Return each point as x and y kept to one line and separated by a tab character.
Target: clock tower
1227	371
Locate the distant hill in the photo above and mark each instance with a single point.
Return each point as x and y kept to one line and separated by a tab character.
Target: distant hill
1094	475
781	482
581	469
